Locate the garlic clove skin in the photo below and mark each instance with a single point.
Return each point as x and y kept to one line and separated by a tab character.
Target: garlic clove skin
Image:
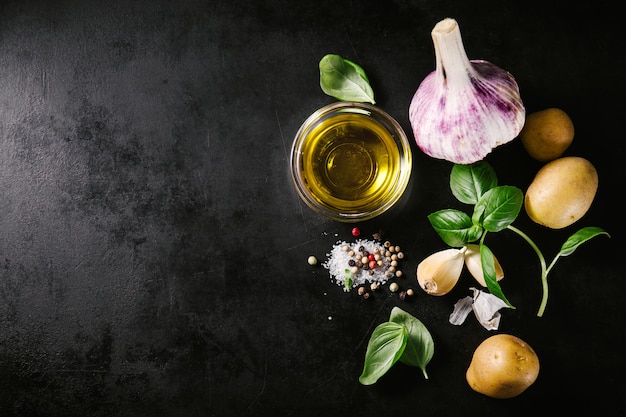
439	272
464	109
475	267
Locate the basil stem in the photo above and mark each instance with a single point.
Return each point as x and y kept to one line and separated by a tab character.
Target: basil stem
544	269
570	245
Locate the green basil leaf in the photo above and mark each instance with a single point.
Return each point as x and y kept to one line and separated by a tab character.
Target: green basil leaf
347	282
489	273
357	68
580	237
469	182
454	227
385	347
420	346
344	80
498	208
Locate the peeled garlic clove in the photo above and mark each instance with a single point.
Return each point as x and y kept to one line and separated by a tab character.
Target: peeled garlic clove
439	272
475	267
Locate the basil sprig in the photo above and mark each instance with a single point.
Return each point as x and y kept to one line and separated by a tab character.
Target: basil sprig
403	338
495	209
344	80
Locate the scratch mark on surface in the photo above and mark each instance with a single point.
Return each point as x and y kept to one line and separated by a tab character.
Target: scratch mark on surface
321	385
287	158
80	371
356	54
282	137
299	245
306	229
44	83
261	391
373	324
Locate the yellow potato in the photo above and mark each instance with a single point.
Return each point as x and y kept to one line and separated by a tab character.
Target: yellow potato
503	366
547	134
561	192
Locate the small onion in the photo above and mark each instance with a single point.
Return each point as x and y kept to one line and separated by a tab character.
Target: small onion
464	109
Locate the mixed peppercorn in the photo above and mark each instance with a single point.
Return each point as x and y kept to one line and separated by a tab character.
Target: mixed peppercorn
367	265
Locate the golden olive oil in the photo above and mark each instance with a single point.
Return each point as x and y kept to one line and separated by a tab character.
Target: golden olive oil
350	163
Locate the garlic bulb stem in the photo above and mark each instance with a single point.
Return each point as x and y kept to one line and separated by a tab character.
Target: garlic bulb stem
448	43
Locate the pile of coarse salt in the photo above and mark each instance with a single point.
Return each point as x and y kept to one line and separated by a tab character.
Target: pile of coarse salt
350	265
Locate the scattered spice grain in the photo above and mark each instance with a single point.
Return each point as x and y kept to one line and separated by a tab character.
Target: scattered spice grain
364	262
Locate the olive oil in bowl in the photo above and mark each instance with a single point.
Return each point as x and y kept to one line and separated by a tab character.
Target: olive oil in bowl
351	161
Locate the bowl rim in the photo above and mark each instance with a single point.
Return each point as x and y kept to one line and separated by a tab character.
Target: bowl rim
390	124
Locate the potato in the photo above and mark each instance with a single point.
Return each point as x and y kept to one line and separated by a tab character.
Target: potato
503	366
547	134
561	192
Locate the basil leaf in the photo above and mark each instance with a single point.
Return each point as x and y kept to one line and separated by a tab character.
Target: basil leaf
489	273
498	208
469	182
384	348
357	68
344	80
454	227
347	282
580	237
420	346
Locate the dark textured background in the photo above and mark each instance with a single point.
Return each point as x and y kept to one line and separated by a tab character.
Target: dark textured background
153	250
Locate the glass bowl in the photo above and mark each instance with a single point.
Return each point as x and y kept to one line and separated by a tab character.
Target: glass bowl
350	161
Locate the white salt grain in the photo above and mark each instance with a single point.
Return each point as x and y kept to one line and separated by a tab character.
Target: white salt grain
338	266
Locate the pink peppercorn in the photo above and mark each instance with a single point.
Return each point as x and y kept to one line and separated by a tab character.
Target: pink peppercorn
356	232
373	264
371	257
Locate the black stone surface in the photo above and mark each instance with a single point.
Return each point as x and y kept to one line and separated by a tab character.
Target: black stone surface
153	252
